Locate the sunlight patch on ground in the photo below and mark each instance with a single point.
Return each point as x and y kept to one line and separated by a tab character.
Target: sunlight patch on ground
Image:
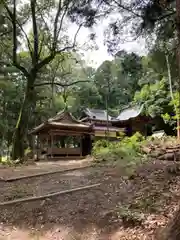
58	232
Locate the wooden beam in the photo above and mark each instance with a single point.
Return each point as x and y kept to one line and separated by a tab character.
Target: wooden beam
64	133
13	179
30	199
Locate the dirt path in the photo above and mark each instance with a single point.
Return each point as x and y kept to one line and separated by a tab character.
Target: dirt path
95	214
41	167
38	186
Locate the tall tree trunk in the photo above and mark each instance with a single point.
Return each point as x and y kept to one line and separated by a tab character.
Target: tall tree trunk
21	130
172	231
178	54
176	109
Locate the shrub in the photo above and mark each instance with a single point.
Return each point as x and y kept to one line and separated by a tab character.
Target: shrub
130	217
128	150
6	161
98	145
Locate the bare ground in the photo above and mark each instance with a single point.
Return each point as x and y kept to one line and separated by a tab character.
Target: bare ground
121	208
41	167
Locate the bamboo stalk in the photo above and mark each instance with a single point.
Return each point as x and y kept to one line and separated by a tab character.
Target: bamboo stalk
29	199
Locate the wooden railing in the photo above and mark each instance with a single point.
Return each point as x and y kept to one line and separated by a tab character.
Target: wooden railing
63	151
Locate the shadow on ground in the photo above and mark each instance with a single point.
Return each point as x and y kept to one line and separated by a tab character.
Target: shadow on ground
93	214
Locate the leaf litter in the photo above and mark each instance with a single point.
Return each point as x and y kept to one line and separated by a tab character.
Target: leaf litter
121	208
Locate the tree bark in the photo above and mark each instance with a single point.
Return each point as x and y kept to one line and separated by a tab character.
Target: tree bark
178	54
20	141
172	231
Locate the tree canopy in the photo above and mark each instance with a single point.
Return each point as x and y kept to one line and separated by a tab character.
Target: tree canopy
41	71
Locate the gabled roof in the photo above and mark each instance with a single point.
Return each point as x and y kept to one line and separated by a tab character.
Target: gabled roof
97	114
64	116
63	120
129	113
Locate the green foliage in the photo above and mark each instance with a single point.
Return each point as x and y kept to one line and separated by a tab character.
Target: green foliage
171	118
126	152
6	161
117	80
129	216
155	98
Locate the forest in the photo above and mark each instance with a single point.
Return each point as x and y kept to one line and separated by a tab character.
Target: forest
43	71
127	80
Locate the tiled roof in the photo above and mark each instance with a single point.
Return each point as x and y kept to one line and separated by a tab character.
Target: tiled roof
97	114
63	116
62	120
130	113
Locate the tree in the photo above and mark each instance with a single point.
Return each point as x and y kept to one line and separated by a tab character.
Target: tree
11	97
46	40
155	98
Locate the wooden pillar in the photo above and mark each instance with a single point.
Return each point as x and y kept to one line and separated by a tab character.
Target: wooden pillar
51	143
37	147
40	142
81	145
33	147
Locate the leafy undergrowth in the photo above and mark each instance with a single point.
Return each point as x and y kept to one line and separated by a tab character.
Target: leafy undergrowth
152	185
126	153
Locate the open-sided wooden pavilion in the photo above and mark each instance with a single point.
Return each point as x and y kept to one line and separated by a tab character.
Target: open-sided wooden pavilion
62	136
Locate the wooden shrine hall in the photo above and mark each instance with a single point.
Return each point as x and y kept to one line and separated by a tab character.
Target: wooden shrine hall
62	136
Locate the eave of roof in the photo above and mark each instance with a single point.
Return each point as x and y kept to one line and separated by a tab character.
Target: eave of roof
105	128
129	113
60	126
56	122
97	114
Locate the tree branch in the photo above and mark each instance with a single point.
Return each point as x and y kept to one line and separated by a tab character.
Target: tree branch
41	46
60	84
47	29
126	8
55	25
5	33
12	16
27	39
14	33
165	16
61	21
35	33
74	41
49	58
130	10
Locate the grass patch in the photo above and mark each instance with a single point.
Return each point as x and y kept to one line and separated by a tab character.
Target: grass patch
6	161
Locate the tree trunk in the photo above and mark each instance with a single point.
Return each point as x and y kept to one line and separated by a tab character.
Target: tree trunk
21	130
178	54
172	231
178	128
